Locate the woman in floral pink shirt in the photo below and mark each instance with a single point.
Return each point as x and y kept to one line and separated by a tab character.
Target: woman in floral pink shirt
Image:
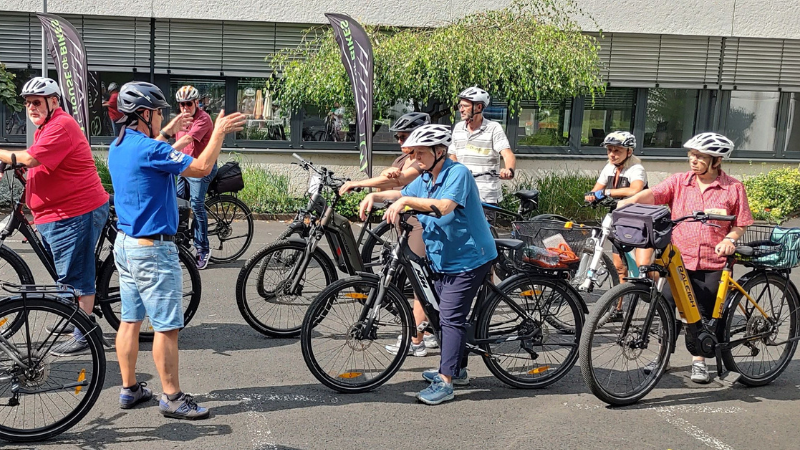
706	187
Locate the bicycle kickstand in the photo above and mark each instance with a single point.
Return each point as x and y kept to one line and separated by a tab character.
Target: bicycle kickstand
727	377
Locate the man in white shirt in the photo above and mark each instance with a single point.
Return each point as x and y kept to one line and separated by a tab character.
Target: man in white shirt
479	143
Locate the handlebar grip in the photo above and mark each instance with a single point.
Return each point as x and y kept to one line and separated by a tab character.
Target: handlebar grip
297	157
721	217
436	211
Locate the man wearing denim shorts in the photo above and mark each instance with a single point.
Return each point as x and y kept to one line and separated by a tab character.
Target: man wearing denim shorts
143	171
64	193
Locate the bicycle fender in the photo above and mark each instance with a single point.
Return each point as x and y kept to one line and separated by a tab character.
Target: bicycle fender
296	240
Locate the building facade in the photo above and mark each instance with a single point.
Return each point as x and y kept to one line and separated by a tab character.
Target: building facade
673	69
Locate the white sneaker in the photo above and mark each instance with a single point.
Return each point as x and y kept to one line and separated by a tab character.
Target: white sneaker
430	341
700	372
413	349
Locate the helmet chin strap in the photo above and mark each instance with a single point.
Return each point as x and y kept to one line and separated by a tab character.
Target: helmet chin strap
428	174
624	160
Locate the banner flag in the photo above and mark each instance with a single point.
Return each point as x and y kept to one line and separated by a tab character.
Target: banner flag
66	47
357	59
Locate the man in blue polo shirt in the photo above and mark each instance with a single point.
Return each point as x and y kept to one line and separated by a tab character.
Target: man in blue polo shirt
143	171
459	245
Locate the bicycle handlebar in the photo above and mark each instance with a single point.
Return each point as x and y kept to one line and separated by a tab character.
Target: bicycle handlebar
701	216
491	173
607	202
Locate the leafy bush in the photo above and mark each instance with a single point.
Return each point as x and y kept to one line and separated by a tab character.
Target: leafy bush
560	193
774	195
102	170
267	192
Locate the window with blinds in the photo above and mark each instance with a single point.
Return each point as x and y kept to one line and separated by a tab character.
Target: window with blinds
761	64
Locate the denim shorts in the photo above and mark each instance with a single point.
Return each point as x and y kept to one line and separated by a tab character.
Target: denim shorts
71	243
150	282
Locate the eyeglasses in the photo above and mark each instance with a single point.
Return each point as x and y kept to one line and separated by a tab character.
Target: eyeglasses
400	137
187	104
36	103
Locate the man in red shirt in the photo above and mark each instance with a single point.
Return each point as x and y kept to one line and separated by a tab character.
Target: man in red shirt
64	193
192	143
706	187
111	104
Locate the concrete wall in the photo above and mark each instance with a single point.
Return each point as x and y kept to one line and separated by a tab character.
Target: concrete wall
749	18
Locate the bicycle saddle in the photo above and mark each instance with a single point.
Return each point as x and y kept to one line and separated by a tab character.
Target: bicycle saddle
531	195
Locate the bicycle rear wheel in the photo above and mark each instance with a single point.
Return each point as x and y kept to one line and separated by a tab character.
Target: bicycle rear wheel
526	351
621	361
334	346
765	351
54	392
13	270
230	228
263	293
108	295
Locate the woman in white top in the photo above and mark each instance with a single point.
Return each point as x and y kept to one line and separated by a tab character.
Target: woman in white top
621	178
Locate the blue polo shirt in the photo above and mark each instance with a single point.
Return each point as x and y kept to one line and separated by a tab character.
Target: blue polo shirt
143	174
460	241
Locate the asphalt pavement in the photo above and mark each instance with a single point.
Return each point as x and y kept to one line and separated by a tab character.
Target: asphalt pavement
262	396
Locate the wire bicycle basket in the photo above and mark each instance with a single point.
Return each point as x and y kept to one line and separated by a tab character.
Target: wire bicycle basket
551	243
773	247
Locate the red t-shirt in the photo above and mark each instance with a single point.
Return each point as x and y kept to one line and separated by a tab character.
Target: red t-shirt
113	112
66	183
200	132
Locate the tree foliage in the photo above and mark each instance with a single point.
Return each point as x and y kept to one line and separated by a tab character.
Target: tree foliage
530	50
8	90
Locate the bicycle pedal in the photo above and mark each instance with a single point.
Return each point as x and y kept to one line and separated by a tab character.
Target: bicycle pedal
730	378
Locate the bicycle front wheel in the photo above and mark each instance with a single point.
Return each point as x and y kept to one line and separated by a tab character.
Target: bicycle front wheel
264	292
523	347
54	393
343	348
230	228
764	350
621	358
108	295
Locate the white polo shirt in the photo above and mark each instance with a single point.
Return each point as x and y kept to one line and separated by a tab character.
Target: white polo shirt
480	152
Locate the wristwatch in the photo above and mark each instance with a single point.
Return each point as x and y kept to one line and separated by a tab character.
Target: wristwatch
731	239
166	136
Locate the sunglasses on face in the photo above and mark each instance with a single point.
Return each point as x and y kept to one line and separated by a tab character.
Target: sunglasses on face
187	104
35	103
399	137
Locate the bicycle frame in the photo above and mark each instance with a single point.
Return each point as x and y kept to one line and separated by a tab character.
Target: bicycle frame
421	277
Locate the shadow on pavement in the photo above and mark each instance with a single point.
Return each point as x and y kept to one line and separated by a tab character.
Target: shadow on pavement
224	338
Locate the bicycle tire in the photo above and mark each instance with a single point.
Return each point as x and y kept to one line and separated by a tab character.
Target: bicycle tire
41	311
738	327
225	210
249	300
13	269
497	320
376	240
353	374
664	326
108	294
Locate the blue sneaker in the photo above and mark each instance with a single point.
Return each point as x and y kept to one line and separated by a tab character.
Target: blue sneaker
128	398
437	392
202	259
462	379
184	407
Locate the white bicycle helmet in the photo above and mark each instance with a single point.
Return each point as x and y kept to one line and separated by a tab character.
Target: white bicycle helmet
187	94
475	95
620	138
713	144
429	135
113	87
41	86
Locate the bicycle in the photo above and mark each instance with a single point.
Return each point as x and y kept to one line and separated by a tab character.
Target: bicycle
41	395
230	227
748	321
277	283
346	328
107	301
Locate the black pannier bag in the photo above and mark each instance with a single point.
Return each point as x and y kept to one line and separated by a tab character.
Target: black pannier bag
642	226
228	179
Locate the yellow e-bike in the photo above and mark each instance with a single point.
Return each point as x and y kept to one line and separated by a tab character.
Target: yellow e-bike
752	335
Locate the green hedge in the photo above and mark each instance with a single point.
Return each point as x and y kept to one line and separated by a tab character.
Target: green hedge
774	195
267	192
